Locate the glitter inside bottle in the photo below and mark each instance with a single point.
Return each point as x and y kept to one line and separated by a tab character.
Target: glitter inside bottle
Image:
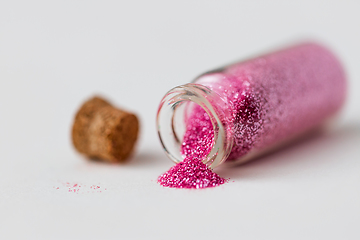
244	109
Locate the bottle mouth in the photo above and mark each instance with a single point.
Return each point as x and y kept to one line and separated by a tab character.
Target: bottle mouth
171	121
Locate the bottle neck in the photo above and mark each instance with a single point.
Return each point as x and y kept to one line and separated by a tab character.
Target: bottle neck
172	118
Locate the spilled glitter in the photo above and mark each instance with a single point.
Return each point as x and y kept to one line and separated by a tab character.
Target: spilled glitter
190	173
198	141
79	188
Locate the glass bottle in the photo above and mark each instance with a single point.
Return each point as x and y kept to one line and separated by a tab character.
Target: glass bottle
256	105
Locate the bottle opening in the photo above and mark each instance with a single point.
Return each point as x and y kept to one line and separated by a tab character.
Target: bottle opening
175	110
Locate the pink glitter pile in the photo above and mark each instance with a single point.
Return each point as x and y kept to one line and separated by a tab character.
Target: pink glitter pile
190	173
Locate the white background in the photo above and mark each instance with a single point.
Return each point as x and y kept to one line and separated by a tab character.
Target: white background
56	54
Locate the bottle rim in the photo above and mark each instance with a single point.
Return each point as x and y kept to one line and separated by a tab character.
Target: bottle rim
213	105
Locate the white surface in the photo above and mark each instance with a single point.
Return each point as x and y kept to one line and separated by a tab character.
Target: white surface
55	54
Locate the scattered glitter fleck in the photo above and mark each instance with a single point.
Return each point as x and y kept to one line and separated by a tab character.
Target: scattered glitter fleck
78	188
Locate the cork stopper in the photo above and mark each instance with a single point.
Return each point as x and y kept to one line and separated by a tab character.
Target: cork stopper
104	132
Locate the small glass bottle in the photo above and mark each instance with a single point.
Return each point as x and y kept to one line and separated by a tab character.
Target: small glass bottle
256	105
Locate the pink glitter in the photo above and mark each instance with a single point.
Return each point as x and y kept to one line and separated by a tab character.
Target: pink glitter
277	96
272	99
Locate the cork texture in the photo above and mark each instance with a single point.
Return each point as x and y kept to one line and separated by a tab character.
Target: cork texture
103	132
